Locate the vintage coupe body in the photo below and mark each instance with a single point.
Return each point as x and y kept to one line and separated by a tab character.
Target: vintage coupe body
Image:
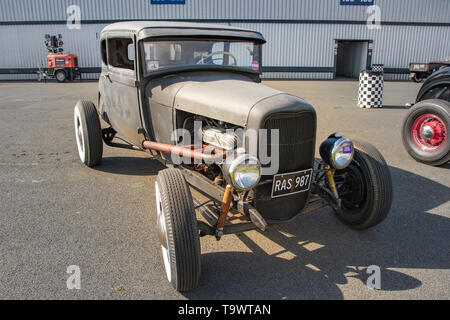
190	95
425	127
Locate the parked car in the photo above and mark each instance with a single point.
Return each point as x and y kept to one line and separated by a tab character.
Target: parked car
421	71
425	127
190	96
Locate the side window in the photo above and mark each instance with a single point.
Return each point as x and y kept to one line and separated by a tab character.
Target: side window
103	49
121	53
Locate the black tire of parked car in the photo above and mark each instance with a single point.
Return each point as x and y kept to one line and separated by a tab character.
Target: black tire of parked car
60	76
417	78
441	109
365	188
181	236
88	133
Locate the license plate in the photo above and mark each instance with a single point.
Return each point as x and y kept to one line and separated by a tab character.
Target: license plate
291	183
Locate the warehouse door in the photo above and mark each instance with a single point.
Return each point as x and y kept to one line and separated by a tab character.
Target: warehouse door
352	57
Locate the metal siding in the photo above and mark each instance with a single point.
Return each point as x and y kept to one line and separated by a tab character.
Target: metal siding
398	10
302	45
17	41
313	44
289	44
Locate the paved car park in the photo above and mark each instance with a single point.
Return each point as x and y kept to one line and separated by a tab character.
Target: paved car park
55	212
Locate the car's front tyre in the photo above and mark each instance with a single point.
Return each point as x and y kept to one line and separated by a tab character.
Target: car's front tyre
88	133
177	230
365	188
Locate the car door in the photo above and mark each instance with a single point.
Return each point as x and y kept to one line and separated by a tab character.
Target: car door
118	83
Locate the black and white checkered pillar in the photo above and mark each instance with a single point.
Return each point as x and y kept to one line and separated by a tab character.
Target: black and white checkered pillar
378	67
371	85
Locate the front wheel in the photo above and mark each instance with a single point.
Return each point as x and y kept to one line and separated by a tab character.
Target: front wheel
177	229
425	132
365	188
88	133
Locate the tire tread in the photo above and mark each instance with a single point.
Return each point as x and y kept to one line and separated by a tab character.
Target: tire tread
380	186
182	228
93	133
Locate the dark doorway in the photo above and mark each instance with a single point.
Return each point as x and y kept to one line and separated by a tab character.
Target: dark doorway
352	57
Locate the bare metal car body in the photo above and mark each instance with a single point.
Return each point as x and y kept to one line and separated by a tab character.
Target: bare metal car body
145	99
233	97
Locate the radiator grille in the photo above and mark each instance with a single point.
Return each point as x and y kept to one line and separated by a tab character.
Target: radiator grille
297	133
296	139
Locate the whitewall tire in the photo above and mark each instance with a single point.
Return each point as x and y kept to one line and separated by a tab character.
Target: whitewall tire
177	230
88	133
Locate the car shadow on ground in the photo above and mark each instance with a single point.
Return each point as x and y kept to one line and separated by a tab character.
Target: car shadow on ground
394	107
131	166
446	165
315	254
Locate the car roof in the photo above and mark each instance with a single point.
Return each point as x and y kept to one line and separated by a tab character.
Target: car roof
148	29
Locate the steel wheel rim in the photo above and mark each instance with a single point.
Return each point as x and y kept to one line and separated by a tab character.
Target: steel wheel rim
350	184
60	76
429	132
163	237
79	135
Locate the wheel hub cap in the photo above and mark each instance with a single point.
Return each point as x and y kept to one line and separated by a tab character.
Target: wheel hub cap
429	132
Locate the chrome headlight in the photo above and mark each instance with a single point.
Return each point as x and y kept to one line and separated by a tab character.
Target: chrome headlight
337	151
243	173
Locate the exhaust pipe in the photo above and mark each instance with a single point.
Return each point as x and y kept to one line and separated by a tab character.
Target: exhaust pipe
206	154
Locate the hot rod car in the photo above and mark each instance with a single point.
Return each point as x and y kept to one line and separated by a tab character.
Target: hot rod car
190	95
425	127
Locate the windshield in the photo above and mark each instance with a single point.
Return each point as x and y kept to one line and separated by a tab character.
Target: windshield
160	55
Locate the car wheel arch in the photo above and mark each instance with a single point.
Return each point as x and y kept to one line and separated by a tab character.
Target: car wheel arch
429	87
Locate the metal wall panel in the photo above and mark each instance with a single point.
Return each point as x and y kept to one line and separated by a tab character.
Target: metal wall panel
23	46
313	44
392	10
301	45
297	76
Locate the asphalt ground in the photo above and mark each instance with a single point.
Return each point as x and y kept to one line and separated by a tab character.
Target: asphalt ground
55	212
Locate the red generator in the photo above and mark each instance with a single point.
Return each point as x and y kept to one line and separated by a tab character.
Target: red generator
60	65
63	67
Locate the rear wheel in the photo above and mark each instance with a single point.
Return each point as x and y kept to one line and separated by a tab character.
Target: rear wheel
60	76
417	78
178	231
425	132
365	188
88	133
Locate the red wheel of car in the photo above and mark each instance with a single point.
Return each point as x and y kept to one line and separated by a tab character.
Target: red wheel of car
429	132
425	132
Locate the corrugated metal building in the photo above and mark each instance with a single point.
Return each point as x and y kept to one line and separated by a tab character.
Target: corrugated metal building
306	39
